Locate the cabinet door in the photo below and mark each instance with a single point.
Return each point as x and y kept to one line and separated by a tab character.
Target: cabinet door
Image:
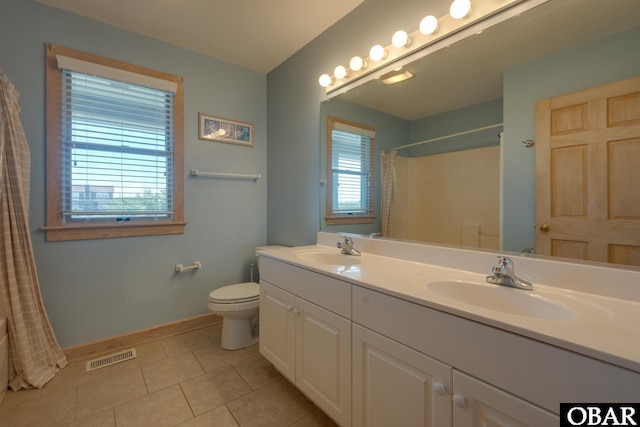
476	403
394	385
277	329
323	359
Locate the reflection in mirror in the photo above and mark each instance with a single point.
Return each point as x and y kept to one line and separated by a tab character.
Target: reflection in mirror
491	78
426	174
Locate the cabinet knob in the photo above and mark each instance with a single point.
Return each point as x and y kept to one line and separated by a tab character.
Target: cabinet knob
459	401
289	308
440	389
295	311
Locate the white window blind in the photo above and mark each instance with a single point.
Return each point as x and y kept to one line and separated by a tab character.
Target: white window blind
351	171
117	149
94	69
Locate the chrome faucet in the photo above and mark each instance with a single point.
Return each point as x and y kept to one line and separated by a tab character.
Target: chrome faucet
505	275
347	246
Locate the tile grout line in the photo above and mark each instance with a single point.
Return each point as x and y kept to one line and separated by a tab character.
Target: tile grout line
232	415
75	404
187	400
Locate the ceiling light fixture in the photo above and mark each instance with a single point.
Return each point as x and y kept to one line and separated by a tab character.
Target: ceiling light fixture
396	76
429	25
460	9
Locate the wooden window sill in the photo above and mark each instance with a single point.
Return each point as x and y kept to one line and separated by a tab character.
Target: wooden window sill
57	233
340	220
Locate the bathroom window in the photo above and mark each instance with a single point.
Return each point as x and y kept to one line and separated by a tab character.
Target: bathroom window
114	148
349	172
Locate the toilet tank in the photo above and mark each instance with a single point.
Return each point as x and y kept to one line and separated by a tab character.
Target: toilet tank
264	248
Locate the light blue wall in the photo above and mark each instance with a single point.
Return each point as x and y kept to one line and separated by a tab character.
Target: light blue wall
94	289
609	60
456	121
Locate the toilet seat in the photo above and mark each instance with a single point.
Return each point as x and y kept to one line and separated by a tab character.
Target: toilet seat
235	294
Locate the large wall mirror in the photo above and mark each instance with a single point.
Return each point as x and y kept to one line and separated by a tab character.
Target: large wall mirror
473	105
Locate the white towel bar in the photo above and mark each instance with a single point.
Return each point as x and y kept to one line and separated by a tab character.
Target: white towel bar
196	172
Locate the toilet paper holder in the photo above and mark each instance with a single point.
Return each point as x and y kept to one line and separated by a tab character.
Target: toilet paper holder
195	266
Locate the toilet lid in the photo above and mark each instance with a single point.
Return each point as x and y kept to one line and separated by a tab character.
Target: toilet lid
239	292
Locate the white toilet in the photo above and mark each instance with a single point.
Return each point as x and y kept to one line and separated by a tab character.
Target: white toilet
238	306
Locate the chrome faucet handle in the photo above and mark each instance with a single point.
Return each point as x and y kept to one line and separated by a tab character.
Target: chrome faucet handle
347	246
347	241
504	274
505	266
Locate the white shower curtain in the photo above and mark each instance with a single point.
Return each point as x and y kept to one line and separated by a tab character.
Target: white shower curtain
388	159
34	353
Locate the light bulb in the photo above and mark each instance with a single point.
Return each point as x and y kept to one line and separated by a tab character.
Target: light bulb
400	39
429	25
340	72
357	63
325	80
460	9
377	53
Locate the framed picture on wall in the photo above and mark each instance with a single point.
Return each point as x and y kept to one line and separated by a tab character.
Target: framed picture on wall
218	129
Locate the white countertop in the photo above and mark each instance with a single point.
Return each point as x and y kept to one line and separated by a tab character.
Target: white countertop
601	326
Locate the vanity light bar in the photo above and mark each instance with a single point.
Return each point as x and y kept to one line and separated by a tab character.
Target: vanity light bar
438	33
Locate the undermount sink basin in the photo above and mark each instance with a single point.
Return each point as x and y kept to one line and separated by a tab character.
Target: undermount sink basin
328	258
502	299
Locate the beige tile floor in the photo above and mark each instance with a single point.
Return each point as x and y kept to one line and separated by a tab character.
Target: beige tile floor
186	380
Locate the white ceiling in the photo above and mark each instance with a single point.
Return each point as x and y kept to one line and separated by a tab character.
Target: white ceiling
258	35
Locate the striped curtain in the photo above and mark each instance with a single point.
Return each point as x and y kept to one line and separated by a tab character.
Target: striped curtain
388	193
34	353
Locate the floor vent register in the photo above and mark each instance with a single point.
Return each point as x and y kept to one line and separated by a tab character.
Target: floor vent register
111	359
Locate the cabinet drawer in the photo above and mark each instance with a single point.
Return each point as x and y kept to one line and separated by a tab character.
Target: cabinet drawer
327	292
540	373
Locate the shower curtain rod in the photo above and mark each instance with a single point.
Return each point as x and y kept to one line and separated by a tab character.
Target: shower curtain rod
444	137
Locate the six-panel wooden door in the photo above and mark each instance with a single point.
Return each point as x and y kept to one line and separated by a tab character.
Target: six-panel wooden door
588	174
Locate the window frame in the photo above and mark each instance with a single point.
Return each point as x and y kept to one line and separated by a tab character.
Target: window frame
56	228
332	218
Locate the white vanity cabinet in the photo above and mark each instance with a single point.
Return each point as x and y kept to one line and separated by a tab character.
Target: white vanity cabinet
396	385
305	331
369	355
278	329
476	403
497	375
445	345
